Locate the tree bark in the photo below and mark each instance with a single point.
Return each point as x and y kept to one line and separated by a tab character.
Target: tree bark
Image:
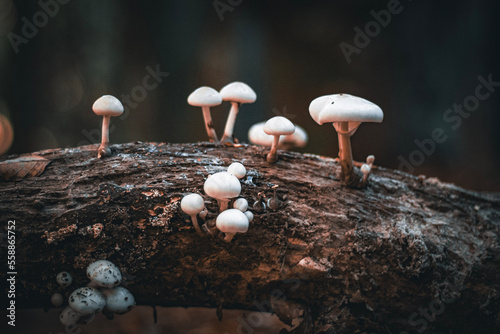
404	254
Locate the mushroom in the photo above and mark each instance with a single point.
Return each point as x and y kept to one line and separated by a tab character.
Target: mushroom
237	170
104	273
206	97
87	300
249	215
277	126
232	221
236	93
256	135
193	204
241	204
56	299
64	279
118	300
346	112
297	139
69	317
365	169
106	106
222	186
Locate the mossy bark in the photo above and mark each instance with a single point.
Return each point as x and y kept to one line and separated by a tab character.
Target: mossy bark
403	253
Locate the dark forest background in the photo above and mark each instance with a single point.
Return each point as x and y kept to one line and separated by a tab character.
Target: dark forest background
425	60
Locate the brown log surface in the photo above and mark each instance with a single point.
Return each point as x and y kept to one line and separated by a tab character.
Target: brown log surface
345	260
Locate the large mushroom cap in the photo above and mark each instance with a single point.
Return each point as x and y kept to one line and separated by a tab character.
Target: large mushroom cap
205	97
232	221
344	108
222	185
238	92
107	105
279	125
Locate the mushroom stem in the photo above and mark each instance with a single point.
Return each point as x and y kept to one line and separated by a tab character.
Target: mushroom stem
104	150
271	156
209	125
231	119
195	224
345	154
223	204
229	237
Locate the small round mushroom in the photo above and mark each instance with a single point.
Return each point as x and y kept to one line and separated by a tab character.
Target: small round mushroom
64	279
236	93
222	186
365	169
57	299
249	215
277	126
206	97
118	300
241	204
87	300
298	138
232	221
106	106
104	273
69	317
193	204
346	112
237	170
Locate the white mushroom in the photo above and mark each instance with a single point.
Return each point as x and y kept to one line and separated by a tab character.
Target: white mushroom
241	204
106	106
365	169
232	221
237	170
69	317
57	299
297	139
236	93
249	215
118	300
277	126
222	186
193	204
206	97
256	135
64	279
346	112
87	300
104	273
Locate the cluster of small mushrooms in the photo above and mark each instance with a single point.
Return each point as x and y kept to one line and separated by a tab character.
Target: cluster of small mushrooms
102	294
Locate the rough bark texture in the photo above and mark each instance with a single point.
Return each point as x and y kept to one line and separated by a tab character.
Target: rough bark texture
404	254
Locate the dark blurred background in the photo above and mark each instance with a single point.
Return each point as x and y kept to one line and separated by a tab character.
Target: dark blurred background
56	61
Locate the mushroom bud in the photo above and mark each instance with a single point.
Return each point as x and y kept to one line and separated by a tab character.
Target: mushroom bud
346	112
222	186
276	127
57	299
193	204
206	97
236	93
237	170
104	273
118	300
64	279
241	204
87	300
106	106
232	221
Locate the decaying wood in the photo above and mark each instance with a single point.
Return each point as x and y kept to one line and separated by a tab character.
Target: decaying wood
402	253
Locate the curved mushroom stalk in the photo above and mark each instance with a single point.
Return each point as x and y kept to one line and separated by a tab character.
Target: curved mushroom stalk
104	150
347	174
272	156
228	237
228	137
209	125
194	219
223	204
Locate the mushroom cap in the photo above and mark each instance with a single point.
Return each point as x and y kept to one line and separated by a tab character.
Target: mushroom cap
205	97
241	204
365	169
222	185
232	221
344	108
119	300
249	215
297	139
87	300
237	170
279	125
238	92
57	299
104	273
69	317
108	105
64	279
192	204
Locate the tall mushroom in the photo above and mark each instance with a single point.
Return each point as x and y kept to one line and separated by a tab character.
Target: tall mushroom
206	97
277	126
236	93
222	186
106	106
346	112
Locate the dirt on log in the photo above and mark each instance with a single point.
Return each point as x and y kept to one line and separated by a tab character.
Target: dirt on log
404	254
